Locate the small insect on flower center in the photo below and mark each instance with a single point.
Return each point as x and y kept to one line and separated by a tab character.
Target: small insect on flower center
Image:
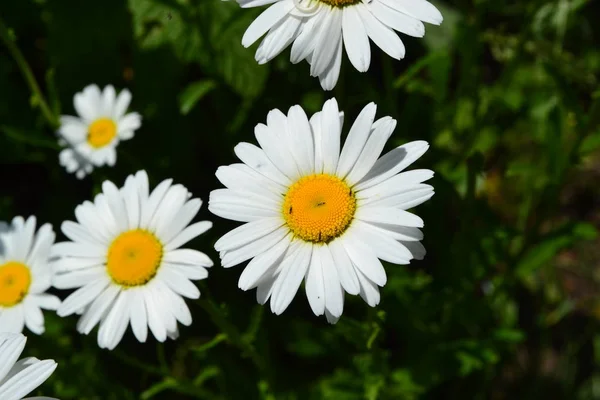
101	132
318	208
15	280
134	258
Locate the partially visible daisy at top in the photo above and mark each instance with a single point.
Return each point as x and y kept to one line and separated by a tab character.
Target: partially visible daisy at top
319	212
93	136
316	29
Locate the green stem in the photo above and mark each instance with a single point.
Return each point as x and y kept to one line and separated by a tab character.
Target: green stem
27	74
232	332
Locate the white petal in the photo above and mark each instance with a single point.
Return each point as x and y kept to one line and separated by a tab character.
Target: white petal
98	309
188	234
329	77
369	291
363	257
326	42
356	40
314	285
387	215
380	34
356	140
255	158
83	250
121	104
82	297
241	177
265	21
241	254
416	248
128	124
138	317
11	347
262	263
87	103
34	319
149	205
306	40
334	294
47	301
254	3
276	148
155	322
108	100
293	269
247	233
330	136
79	278
182	219
407	199
189	257
301	136
113	327
419	9
393	162
131	199
384	246
345	270
399	232
372	150
279	37
178	283
31	374
79	234
397	20
168	208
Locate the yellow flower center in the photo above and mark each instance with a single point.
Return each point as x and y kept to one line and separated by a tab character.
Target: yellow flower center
101	132
15	280
340	3
134	257
318	208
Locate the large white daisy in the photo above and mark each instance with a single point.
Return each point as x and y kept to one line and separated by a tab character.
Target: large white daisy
316	215
25	275
92	137
317	28
19	378
126	260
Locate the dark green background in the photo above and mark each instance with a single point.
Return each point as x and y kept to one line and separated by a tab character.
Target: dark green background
505	304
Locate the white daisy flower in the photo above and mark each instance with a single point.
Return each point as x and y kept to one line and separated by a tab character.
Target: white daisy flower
19	378
126	260
316	30
316	215
25	275
93	136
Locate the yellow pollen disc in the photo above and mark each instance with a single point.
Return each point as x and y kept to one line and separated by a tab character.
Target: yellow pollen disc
101	132
318	208
134	257
15	280
340	3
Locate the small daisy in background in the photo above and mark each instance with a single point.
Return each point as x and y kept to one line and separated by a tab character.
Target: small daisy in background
125	258
312	213
25	275
317	30
19	378
92	137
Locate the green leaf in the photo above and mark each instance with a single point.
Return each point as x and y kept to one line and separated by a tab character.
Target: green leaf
541	254
193	93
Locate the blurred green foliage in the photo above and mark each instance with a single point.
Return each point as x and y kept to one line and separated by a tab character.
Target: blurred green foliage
504	306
